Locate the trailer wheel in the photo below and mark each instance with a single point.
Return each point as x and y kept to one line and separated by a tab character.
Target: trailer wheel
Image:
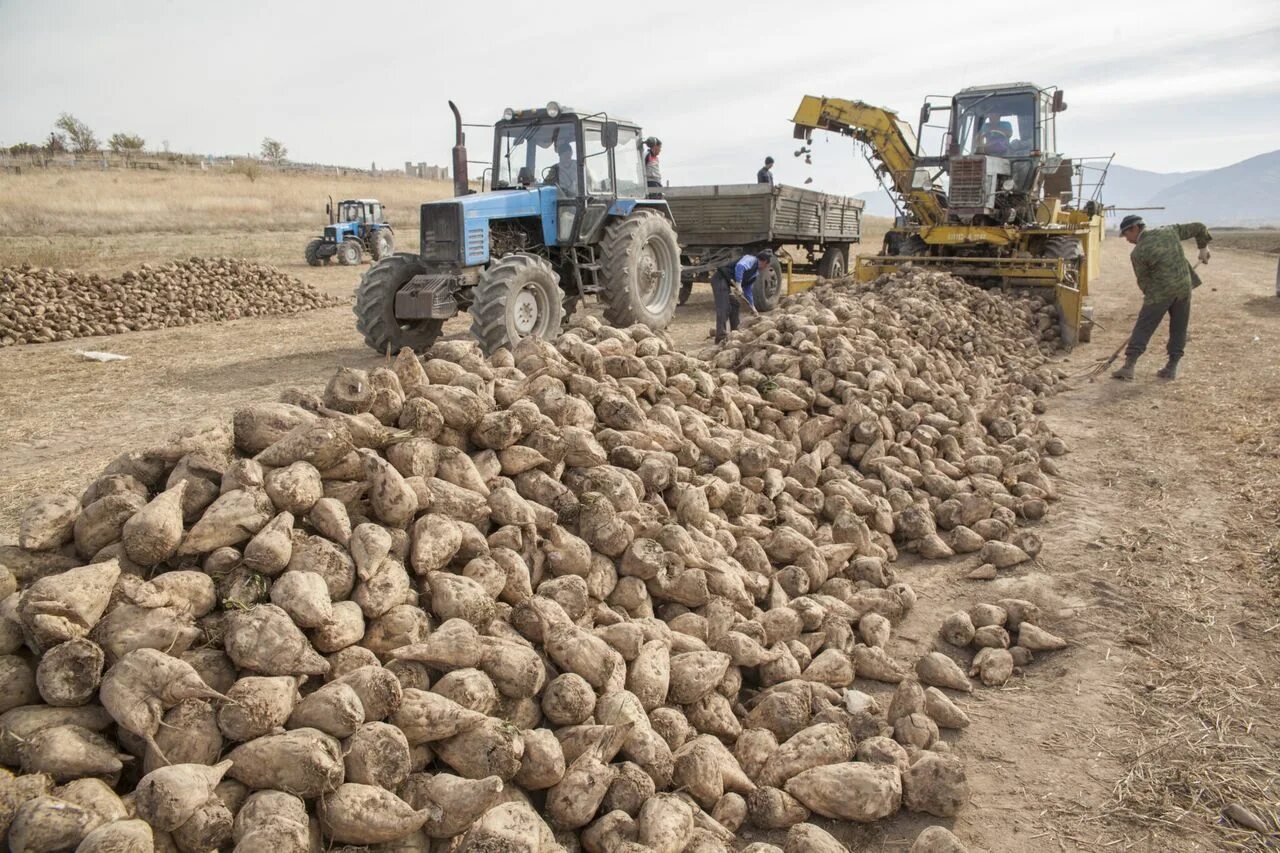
640	259
349	253
382	245
686	290
834	262
312	253
517	297
768	287
375	307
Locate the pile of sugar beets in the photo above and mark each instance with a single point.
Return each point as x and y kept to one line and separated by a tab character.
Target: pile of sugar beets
39	305
598	594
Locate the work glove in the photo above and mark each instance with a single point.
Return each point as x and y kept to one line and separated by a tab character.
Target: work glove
1204	255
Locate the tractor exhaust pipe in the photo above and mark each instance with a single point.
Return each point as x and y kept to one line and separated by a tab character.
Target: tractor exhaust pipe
461	186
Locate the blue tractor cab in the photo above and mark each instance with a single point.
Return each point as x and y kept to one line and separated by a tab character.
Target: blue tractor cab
567	218
356	226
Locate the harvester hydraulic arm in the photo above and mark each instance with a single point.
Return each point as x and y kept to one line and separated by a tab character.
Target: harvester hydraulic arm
891	140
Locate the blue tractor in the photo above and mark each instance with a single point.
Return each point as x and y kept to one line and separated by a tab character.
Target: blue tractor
355	226
567	217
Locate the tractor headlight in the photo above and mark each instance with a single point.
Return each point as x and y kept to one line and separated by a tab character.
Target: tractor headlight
1007	185
508	114
553	109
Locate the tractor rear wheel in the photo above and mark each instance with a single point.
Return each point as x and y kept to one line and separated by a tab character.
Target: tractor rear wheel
834	262
375	307
382	245
767	289
349	253
312	253
640	259
518	296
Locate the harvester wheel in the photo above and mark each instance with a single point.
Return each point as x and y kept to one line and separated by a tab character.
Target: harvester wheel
382	245
312	253
640	259
1070	250
517	297
913	246
349	253
375	307
768	287
834	262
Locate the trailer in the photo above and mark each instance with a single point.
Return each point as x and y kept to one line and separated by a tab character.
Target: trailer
717	224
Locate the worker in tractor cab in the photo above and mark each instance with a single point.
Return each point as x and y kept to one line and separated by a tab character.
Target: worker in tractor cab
994	136
731	283
765	175
652	170
1166	279
566	169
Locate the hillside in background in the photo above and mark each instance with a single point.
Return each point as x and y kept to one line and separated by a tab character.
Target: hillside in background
1242	194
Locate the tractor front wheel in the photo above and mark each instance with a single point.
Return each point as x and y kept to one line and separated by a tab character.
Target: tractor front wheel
375	307
312	253
641	262
382	245
349	253
517	297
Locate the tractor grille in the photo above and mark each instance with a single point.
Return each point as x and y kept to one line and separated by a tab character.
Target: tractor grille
330	234
442	231
968	184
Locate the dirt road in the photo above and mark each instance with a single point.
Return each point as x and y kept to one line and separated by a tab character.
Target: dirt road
1161	560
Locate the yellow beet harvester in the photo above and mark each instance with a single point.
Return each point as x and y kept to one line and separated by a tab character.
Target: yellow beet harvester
997	206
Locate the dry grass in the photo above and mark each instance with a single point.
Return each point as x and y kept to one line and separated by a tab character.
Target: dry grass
1199	735
87	203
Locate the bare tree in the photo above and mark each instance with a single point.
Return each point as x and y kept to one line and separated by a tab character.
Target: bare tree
80	134
56	144
274	151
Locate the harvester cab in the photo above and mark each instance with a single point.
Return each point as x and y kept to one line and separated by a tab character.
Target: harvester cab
355	226
1001	143
566	217
996	205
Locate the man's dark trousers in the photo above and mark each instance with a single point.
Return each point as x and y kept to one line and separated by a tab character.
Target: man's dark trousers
1179	311
727	310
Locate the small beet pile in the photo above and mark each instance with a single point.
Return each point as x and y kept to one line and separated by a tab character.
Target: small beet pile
597	594
39	305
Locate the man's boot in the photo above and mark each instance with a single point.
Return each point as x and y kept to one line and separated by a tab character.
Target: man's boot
1169	371
1126	372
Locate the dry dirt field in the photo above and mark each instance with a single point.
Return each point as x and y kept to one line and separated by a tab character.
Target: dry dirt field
1161	560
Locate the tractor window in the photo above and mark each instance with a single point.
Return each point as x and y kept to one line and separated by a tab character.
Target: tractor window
376	214
350	213
1000	125
628	165
599	182
529	154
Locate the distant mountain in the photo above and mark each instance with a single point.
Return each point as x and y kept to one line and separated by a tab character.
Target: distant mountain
1242	194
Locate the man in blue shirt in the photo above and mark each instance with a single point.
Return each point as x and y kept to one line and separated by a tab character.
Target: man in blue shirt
765	175
740	278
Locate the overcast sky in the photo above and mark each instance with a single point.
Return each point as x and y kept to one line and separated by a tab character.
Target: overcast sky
1166	86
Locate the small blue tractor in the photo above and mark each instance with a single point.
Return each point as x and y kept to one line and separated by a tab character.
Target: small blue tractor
567	217
355	226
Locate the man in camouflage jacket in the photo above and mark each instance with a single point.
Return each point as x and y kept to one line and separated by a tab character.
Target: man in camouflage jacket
1166	280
